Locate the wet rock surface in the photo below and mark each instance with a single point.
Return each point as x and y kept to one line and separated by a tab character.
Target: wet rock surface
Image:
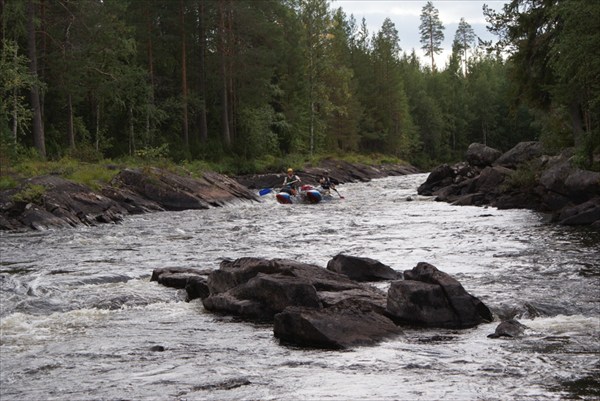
523	177
311	306
60	203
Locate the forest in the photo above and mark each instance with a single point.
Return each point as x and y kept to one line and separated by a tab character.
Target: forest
252	80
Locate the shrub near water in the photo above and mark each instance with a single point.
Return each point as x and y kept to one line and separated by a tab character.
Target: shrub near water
526	176
30	194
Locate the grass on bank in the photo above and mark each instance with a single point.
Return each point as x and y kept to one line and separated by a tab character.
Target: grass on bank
97	174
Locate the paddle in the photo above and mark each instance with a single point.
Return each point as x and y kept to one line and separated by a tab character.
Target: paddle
336	191
265	191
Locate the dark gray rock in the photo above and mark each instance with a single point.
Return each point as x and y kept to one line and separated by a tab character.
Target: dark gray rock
332	328
194	281
549	184
587	213
361	269
520	153
490	180
196	287
440	177
60	204
331	304
263	296
429	297
481	155
509	328
63	203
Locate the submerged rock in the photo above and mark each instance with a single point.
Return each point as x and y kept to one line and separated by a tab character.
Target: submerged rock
194	281
509	328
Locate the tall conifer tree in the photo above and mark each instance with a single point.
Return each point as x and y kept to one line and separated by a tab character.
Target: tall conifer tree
432	32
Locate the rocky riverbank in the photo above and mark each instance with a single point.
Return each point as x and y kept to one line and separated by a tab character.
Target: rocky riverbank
51	201
524	177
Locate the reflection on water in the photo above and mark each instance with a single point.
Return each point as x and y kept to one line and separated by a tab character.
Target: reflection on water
81	320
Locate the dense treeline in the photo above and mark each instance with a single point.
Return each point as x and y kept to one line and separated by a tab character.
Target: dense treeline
246	79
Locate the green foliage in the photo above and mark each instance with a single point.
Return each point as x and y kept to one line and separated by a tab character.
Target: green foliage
525	177
85	152
153	153
300	80
7	182
92	175
31	193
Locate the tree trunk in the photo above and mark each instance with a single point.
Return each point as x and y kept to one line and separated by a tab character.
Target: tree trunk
39	140
184	85
431	48
70	124
151	75
223	60
131	132
97	127
15	112
202	72
576	123
43	53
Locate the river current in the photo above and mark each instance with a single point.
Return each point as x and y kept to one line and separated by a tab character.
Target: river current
80	319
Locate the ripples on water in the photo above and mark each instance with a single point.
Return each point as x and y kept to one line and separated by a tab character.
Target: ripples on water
80	319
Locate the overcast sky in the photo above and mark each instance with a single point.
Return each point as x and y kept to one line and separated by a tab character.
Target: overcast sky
405	14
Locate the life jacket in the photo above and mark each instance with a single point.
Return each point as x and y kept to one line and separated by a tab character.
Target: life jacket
326	183
289	179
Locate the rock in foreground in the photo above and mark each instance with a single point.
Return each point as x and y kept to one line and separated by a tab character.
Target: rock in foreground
429	297
311	306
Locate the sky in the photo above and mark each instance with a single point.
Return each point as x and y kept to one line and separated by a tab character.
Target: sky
405	14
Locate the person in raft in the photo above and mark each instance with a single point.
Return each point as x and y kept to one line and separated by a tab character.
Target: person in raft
290	183
327	182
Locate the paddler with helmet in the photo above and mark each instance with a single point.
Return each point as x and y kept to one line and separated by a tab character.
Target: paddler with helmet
291	181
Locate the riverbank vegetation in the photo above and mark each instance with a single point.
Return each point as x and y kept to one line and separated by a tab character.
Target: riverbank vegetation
246	86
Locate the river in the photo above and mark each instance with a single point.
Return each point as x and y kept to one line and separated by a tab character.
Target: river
80	319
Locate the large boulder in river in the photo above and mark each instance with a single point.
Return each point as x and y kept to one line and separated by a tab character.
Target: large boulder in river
481	155
309	305
257	288
361	269
334	328
430	297
264	295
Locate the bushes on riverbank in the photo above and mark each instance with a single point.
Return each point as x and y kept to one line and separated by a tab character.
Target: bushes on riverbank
97	173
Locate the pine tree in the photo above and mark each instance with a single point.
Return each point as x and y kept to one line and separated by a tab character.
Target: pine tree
432	32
